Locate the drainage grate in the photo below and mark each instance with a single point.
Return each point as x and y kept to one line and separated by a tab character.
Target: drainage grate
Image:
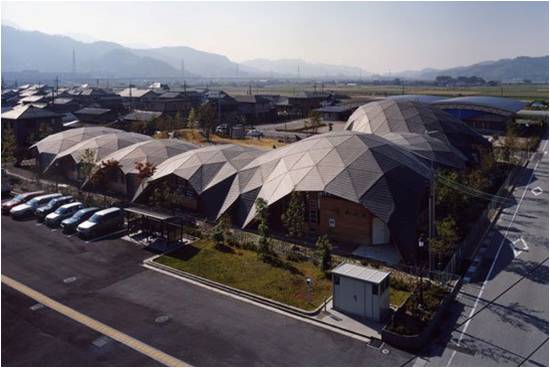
375	343
68	280
101	341
162	319
36	306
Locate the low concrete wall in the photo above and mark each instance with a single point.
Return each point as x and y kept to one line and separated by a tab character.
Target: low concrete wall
416	342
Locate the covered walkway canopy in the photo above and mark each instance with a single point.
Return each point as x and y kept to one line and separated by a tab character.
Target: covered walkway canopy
154	223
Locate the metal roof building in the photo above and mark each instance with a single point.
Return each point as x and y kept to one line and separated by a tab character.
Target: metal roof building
429	150
209	171
100	146
153	151
482	112
388	116
46	149
361	168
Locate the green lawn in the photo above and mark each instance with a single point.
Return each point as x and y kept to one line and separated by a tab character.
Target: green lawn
398	297
242	269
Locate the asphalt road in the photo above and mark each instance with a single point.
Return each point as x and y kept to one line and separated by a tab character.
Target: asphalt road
104	280
500	318
56	339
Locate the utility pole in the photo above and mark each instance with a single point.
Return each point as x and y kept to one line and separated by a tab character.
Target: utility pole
182	68
74	62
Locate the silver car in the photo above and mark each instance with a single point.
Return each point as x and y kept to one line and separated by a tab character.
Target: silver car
67	210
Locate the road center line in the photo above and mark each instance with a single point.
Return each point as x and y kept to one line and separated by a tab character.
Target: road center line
102	328
504	238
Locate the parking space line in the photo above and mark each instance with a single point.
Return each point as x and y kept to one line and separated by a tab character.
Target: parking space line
102	328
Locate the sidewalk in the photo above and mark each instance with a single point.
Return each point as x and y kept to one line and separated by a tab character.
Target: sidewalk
354	324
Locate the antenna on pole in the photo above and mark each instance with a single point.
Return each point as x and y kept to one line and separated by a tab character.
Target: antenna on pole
74	62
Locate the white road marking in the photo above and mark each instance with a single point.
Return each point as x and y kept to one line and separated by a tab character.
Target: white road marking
504	238
537	191
516	249
89	322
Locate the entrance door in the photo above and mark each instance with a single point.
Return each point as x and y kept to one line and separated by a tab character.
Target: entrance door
380	232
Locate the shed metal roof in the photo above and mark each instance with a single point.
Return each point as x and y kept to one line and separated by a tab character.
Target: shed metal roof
510	105
360	273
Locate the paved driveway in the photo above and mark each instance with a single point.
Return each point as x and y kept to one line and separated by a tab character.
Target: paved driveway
200	326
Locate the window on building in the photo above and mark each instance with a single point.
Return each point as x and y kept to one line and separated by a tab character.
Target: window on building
374	289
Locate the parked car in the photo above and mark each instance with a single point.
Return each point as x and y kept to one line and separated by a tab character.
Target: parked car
19	199
6	182
27	209
69	225
62	213
222	129
255	133
102	222
43	211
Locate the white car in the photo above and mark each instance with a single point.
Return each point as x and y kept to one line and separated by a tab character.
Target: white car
254	133
64	212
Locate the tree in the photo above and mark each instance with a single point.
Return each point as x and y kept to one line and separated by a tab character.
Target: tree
447	237
192	118
179	123
509	144
293	218
87	164
9	145
219	231
145	169
324	251
263	227
207	119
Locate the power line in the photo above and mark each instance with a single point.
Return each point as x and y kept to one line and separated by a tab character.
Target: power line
472	192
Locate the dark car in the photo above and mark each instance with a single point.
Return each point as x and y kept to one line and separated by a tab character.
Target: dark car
28	208
62	213
69	225
19	199
102	222
54	204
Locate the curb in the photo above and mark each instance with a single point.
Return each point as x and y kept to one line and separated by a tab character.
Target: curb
309	315
272	303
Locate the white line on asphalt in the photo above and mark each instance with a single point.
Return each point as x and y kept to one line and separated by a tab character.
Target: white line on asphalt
494	262
102	328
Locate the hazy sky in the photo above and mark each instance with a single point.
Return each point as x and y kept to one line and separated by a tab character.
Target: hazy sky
378	37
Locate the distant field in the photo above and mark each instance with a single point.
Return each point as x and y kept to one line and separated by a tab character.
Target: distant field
527	92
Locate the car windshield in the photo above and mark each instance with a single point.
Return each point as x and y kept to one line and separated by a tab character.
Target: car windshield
95	218
19	197
33	202
62	210
79	214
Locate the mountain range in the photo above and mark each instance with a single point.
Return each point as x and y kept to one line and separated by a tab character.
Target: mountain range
31	50
506	70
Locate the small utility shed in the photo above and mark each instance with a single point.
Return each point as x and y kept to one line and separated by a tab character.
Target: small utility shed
361	291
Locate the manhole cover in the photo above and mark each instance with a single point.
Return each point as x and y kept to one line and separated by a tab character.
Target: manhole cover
385	351
162	319
68	280
36	306
101	341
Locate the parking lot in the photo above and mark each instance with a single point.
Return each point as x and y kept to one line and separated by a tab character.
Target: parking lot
104	279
